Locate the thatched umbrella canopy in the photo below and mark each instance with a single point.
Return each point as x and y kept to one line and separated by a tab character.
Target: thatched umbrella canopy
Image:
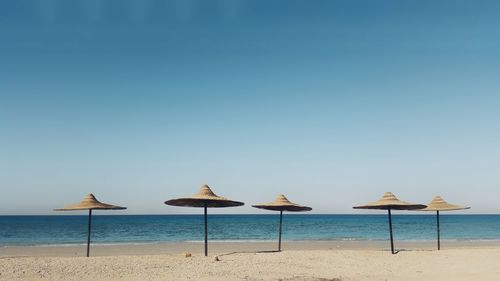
390	202
281	203
205	198
438	204
90	203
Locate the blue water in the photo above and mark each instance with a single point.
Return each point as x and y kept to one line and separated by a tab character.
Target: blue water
47	230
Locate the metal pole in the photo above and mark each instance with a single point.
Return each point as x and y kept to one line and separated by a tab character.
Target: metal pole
206	231
390	230
281	222
88	233
438	231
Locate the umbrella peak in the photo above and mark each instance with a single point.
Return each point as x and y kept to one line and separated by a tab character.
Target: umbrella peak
205	191
438	199
389	196
90	198
282	198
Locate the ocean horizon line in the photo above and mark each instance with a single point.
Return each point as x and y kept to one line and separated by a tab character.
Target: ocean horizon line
414	213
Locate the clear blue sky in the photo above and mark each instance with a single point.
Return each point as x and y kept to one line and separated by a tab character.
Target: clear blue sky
329	102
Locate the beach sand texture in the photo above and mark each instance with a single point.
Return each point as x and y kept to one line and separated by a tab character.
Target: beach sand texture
333	264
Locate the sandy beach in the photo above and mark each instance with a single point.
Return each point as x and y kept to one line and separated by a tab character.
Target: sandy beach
347	260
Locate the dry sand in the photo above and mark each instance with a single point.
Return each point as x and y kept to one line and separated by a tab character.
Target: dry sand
301	261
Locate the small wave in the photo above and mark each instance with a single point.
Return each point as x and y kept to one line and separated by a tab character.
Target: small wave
231	241
333	240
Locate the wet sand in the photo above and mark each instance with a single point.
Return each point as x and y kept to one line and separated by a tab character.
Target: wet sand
229	247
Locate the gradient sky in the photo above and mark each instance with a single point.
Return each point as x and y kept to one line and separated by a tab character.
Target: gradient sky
330	102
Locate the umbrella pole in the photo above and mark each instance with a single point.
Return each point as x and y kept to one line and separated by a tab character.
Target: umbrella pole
206	231
88	232
390	231
279	239
438	231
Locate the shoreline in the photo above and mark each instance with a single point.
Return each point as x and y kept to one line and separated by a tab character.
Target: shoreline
218	248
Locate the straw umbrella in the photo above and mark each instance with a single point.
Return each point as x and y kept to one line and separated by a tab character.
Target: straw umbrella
205	198
90	203
281	203
438	204
390	202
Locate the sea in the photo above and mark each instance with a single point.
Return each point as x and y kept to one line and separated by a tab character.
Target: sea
119	229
